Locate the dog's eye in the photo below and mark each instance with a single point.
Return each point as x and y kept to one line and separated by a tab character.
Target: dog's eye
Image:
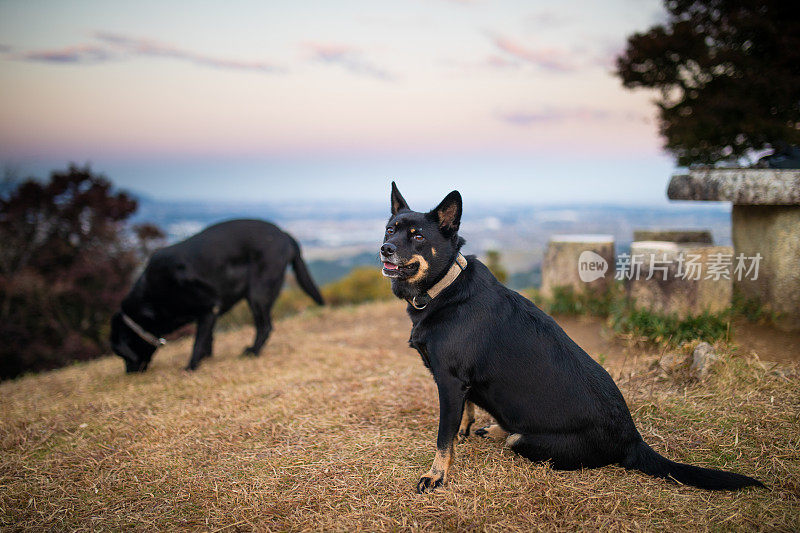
418	237
389	230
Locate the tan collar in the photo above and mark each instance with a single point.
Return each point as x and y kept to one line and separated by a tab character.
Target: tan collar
142	333
420	302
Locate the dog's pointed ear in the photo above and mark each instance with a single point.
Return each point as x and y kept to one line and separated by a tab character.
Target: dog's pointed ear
398	202
448	213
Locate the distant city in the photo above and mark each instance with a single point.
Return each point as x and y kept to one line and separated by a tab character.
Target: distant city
338	237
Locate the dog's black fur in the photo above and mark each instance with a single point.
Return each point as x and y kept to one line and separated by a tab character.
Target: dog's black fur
198	279
488	345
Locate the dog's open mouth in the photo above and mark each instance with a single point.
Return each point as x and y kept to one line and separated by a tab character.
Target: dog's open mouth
393	270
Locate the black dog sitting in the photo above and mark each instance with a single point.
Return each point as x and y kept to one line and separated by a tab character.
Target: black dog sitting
198	279
488	345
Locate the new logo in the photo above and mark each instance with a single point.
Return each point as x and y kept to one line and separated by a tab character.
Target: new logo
591	266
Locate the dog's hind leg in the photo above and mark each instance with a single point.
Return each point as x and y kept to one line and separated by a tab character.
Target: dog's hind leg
260	299
467	419
263	324
492	432
564	451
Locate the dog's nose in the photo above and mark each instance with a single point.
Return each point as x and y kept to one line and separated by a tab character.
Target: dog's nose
388	248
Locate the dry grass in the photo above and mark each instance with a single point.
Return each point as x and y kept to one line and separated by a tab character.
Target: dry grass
331	428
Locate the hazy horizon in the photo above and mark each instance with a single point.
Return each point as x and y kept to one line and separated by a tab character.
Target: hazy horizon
492	180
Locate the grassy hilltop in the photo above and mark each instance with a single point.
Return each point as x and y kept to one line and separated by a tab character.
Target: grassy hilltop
333	425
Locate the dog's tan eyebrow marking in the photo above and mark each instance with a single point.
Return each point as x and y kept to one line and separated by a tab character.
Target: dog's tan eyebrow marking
433	251
413	230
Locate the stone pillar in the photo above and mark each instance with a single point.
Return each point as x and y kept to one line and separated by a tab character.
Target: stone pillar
765	221
571	259
774	232
673	278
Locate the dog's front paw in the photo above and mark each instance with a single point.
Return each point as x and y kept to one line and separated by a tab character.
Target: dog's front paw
430	482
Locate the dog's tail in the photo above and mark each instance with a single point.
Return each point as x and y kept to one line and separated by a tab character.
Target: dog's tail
643	458
303	277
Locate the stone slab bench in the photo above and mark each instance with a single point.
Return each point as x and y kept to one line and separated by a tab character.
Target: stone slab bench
742	186
765	221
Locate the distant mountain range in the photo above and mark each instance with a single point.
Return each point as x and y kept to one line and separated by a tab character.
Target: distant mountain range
336	237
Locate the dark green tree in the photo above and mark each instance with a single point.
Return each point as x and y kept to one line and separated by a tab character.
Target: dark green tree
728	76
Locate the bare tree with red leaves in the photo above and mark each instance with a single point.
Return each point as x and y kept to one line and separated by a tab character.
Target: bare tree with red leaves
66	260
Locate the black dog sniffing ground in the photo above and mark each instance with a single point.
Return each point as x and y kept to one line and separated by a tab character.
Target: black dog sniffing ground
489	346
199	279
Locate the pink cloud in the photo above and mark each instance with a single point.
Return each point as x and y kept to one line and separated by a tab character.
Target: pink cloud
86	53
550	59
348	57
115	47
330	51
147	47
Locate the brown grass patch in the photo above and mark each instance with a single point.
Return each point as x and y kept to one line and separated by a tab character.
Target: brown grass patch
333	425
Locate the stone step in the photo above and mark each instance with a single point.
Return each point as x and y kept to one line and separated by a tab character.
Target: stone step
674	235
674	278
582	262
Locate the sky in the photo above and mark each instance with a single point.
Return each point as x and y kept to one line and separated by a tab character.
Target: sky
508	101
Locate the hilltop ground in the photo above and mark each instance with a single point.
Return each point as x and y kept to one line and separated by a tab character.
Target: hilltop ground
332	427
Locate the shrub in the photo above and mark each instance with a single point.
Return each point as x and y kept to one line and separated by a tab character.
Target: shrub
362	284
566	302
669	330
639	324
495	266
65	264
